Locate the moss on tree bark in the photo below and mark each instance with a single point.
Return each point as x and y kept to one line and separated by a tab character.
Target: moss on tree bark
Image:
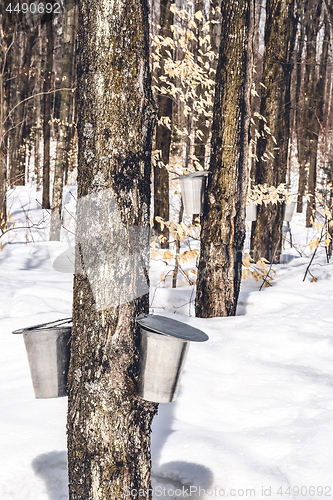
108	424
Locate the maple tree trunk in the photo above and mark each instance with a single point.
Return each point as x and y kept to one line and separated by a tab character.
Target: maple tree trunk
64	117
163	136
16	120
6	36
223	219
315	104
38	103
108	425
271	168
300	117
47	115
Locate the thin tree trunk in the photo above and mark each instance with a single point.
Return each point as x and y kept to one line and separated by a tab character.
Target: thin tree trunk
177	244
38	102
6	37
163	136
315	104
223	220
65	105
300	116
200	125
25	84
108	424
47	115
16	95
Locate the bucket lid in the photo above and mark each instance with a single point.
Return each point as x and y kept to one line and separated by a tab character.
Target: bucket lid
45	326
171	327
198	173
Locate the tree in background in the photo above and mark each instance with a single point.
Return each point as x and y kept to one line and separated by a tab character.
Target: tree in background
47	114
65	122
273	140
6	39
223	220
163	133
312	71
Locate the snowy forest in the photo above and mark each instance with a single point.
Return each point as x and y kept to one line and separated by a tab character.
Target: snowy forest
166	226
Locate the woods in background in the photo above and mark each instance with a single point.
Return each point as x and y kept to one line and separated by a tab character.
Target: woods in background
291	102
100	95
38	103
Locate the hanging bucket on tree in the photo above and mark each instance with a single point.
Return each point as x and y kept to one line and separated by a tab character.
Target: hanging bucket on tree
251	212
288	210
48	350
192	187
163	349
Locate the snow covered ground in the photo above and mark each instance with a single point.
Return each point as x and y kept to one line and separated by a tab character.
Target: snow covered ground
254	414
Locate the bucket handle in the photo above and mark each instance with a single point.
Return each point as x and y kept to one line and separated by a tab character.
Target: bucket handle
53	323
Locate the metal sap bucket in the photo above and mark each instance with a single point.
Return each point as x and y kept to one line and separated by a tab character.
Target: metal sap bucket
163	348
48	349
251	212
192	187
288	210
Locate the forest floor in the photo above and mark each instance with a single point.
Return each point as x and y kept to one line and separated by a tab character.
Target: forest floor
254	413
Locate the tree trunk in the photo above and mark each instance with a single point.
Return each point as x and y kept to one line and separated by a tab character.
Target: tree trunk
108	424
271	168
25	84
300	117
3	140
38	102
223	220
6	37
65	105
163	136
47	115
201	125
314	92
16	119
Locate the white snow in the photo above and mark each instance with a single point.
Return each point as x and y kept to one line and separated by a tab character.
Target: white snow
254	414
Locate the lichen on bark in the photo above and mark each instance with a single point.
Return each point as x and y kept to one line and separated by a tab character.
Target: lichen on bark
108	424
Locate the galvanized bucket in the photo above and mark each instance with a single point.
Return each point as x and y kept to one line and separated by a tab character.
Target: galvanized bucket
163	349
288	210
192	187
251	212
48	349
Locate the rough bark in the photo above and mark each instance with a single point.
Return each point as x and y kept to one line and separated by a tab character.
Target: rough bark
64	117
223	220
47	115
314	97
6	39
163	136
108	424
280	32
